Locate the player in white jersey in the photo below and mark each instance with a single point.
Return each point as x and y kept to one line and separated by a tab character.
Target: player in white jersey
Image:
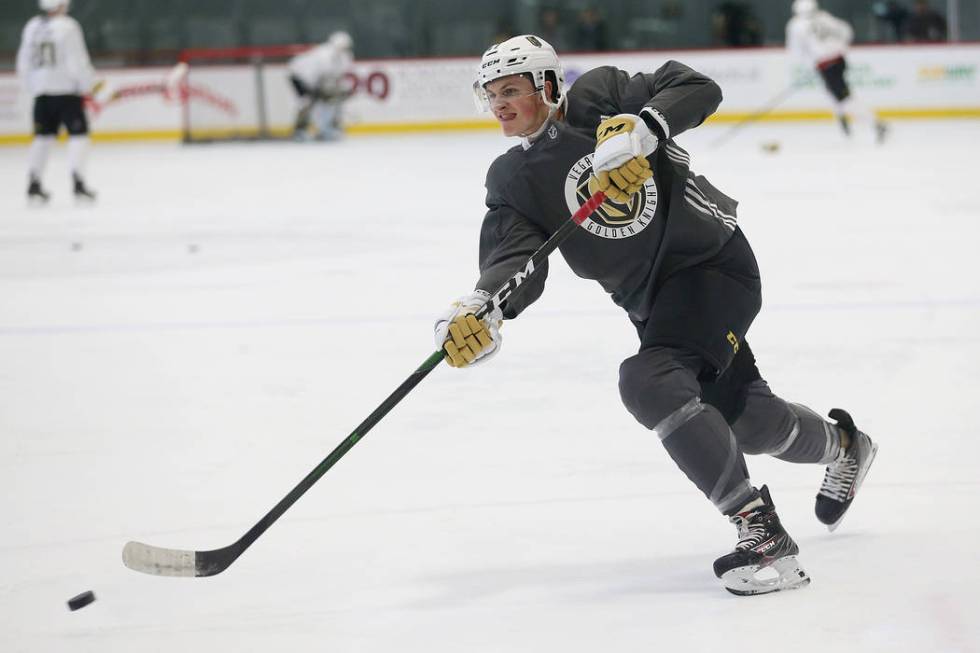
54	66
821	40
318	76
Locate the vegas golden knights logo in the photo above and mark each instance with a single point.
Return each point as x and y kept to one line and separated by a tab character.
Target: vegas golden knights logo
611	220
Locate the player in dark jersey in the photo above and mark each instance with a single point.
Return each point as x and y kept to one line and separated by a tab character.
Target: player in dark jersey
667	248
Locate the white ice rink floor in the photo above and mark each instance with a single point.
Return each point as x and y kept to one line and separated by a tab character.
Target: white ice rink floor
177	357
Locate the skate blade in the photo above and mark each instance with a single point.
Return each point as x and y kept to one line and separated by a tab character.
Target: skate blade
857	486
782	574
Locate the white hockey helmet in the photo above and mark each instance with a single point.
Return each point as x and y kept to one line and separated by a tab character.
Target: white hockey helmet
341	40
525	54
51	5
804	7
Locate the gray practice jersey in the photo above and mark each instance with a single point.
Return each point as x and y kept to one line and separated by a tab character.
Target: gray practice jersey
676	221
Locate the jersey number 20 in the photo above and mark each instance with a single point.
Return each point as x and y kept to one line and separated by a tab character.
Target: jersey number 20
44	55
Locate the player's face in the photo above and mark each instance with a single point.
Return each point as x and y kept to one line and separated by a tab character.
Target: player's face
515	104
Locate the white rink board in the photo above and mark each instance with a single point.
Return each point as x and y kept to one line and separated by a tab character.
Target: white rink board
932	80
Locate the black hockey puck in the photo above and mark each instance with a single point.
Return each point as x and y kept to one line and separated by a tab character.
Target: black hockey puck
80	601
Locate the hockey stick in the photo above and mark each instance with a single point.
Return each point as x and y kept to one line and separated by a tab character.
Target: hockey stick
161	561
751	118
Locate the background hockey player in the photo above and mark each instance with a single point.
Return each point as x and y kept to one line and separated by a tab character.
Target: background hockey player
318	76
55	68
818	39
667	248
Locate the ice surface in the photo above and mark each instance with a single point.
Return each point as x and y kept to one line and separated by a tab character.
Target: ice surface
177	357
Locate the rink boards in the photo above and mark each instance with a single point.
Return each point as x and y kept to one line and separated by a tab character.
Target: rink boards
394	95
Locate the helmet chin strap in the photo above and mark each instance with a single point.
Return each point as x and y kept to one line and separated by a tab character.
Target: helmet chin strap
553	108
532	136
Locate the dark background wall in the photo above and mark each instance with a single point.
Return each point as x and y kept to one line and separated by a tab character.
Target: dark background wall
153	31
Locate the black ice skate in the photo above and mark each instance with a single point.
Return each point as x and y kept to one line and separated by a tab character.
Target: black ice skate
36	194
845	475
764	559
845	125
82	192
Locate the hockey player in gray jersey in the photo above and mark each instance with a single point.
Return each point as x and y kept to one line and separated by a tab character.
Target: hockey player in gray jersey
667	248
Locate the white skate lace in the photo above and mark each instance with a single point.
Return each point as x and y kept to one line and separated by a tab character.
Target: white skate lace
840	476
749	533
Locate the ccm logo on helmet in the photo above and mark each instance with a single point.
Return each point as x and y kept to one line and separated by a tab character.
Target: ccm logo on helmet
487	64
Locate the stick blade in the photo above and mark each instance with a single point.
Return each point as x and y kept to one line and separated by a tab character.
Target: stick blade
158	561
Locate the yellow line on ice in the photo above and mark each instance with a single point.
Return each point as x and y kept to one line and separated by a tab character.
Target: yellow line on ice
470	125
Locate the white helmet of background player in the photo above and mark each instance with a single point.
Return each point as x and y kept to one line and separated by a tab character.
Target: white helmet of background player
341	41
51	5
804	7
526	54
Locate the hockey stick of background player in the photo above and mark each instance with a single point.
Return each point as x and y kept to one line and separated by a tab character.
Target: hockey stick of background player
751	118
176	562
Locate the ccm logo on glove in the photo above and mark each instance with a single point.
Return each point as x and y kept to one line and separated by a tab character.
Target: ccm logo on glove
620	164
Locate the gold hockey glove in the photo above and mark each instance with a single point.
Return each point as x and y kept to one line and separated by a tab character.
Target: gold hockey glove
619	184
465	338
620	164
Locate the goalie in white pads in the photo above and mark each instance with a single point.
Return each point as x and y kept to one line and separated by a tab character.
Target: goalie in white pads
665	245
319	78
56	71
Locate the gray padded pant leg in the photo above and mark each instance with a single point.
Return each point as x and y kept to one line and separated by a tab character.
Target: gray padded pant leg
659	387
790	432
817	442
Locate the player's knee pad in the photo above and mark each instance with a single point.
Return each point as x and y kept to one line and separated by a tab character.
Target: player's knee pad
766	423
654	384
